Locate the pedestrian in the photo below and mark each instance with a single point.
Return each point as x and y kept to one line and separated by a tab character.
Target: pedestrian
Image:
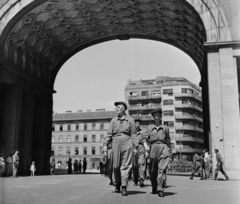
80	166
9	163
140	156
158	136
52	163
203	173
75	165
219	166
210	174
196	164
2	164
103	162
69	166
33	168
206	163
122	134
84	165
15	164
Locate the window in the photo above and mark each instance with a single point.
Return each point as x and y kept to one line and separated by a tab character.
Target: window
85	138
53	150
185	90
168	102
144	93
93	150
168	112
101	149
133	94
77	126
53	127
169	123
76	150
68	150
60	150
93	138
101	138
85	126
68	127
84	150
93	126
53	139
102	126
156	92
76	138
68	138
60	139
61	128
168	92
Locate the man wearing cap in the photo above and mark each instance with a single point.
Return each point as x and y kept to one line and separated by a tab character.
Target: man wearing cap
196	164
158	137
122	134
219	166
141	161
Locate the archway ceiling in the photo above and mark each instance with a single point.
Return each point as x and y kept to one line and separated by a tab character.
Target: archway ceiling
47	35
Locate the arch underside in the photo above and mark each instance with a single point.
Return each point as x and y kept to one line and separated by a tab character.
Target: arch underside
45	34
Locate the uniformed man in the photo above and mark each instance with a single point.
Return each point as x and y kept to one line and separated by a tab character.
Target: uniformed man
219	166
122	134
158	136
141	160
196	164
52	163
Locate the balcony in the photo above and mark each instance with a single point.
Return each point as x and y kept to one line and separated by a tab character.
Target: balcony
188	139
188	150
188	127
150	107
188	117
137	98
188	106
142	117
191	95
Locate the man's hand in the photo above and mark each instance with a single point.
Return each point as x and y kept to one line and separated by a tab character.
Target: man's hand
134	151
105	148
146	146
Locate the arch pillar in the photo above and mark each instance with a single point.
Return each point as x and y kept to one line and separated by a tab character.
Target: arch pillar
224	104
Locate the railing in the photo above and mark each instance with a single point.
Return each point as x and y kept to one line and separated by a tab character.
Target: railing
151	107
189	138
132	98
142	117
188	106
188	95
193	117
188	127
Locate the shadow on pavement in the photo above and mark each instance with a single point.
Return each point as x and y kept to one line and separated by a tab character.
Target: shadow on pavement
180	174
135	192
169	193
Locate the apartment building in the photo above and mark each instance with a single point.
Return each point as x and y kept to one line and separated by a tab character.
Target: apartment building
80	134
181	103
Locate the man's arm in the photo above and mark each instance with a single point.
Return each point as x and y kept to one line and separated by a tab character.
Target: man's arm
134	135
108	137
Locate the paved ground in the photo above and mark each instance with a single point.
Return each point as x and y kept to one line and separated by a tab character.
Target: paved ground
93	188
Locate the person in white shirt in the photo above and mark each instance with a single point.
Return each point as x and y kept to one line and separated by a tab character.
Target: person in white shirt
33	169
206	163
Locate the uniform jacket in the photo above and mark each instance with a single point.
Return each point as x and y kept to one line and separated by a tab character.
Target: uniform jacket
219	159
196	160
121	126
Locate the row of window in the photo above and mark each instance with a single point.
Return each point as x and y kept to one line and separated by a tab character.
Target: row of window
85	127
77	139
76	151
145	93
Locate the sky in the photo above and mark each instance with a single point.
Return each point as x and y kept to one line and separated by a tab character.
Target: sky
95	77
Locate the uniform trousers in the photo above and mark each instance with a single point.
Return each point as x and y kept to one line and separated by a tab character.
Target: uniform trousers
135	167
159	160
196	168
142	165
220	168
122	158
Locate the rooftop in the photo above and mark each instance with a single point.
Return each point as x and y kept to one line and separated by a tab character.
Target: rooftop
84	115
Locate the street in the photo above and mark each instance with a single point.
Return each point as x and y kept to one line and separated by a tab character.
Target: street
93	188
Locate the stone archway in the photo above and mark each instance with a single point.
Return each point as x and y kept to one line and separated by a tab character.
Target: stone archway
37	37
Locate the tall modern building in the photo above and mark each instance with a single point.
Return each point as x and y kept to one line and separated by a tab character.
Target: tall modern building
181	103
80	134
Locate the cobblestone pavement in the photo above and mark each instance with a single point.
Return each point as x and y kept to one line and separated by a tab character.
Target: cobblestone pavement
94	188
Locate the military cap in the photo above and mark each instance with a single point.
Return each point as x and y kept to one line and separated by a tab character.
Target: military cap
121	103
138	120
159	110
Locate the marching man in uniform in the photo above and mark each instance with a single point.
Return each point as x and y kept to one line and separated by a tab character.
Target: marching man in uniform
122	134
158	137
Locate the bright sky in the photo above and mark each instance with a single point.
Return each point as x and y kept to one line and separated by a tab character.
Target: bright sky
96	76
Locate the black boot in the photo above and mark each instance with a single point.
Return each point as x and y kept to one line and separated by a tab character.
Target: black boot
160	193
124	191
135	184
215	177
111	183
117	188
141	183
154	190
226	176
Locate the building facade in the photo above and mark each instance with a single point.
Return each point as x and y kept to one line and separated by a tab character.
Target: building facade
79	135
181	103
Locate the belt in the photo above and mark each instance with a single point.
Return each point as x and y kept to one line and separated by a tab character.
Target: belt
121	133
158	142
